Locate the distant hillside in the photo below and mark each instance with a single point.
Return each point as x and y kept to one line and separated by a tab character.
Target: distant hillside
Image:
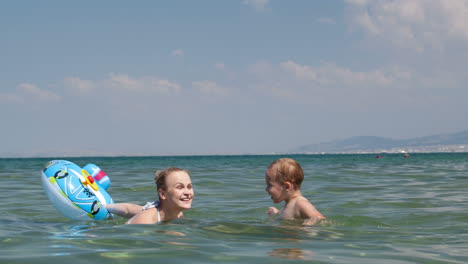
376	144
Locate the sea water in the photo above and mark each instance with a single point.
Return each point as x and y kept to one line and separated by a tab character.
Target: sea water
387	210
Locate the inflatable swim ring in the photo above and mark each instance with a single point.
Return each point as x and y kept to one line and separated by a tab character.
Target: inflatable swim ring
99	175
74	191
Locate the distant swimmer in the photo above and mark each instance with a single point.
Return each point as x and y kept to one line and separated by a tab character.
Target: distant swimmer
379	156
406	155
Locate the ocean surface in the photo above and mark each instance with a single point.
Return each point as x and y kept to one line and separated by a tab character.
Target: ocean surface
388	210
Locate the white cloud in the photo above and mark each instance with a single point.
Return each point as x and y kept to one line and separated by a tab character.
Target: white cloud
330	85
300	71
358	2
257	4
210	88
414	24
35	93
220	66
29	93
162	85
79	86
145	84
178	53
331	74
336	84
124	83
457	12
226	71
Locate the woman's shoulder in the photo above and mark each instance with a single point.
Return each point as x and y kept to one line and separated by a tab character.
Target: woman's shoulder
147	216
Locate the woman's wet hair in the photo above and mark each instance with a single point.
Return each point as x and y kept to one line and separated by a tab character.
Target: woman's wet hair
161	175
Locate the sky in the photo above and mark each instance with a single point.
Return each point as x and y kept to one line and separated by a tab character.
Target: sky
80	78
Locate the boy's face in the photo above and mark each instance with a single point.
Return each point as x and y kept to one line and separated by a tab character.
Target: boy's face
273	188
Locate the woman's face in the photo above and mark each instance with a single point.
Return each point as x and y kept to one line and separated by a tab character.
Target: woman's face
179	191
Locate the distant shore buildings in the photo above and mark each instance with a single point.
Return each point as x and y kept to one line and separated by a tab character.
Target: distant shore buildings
402	150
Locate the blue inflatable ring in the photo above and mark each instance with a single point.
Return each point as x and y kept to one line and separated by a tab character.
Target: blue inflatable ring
74	192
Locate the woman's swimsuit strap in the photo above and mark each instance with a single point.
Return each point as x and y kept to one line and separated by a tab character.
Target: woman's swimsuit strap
150	205
159	216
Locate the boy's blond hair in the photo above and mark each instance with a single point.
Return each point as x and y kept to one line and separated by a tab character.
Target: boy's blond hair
287	170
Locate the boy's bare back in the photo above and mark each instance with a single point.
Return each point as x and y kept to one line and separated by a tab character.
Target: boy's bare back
300	208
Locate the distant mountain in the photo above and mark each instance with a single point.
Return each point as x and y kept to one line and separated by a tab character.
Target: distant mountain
377	144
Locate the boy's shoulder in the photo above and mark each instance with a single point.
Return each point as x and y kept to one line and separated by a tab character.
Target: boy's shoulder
302	202
307	209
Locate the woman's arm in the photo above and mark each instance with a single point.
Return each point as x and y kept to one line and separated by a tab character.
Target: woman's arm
126	210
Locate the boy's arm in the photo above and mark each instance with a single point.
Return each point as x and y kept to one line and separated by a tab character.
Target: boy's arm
127	210
272	211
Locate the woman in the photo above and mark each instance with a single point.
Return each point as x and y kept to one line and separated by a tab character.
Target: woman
175	193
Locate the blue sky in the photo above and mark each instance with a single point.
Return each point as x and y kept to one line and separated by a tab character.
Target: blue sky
227	77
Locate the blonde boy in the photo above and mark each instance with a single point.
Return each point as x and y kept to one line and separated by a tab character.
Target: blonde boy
283	183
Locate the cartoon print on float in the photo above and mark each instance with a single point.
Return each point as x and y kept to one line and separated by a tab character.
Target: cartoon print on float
75	192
